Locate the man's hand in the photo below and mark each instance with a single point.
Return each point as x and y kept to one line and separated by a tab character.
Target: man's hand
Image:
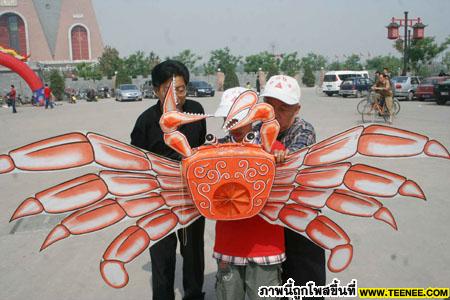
280	155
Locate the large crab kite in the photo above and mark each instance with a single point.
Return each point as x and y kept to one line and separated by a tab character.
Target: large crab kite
219	181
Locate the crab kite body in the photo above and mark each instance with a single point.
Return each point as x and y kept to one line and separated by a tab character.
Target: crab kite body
219	181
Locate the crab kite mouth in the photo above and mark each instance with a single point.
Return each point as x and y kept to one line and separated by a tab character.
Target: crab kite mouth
236	121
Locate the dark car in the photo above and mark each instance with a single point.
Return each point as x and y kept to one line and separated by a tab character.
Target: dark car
443	92
200	88
355	86
426	88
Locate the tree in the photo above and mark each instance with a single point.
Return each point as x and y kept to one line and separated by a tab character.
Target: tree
384	61
122	78
188	58
151	61
135	64
57	84
264	60
446	60
335	65
290	64
315	61
308	78
223	59
231	79
353	62
422	52
109	61
88	71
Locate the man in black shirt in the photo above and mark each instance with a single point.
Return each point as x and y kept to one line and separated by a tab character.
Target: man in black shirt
147	134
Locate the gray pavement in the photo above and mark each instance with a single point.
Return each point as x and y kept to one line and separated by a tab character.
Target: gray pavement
415	256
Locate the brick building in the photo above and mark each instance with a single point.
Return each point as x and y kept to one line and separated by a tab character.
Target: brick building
52	31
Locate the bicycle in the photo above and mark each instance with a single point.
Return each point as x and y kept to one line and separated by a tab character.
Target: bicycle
374	110
362	103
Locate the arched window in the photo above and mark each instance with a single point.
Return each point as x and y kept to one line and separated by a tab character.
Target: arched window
80	43
13	33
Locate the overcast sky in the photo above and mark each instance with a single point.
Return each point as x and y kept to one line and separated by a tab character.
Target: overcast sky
247	27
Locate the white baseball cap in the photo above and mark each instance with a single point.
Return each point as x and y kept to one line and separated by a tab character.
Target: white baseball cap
227	101
283	88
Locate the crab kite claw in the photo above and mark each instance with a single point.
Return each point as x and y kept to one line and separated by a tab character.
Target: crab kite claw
172	119
318	177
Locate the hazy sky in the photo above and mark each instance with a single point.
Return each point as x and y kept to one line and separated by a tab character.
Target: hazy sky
250	26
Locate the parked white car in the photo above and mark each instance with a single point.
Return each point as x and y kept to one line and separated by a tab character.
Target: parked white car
333	80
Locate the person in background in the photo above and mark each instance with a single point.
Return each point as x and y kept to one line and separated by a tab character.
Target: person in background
12	98
147	134
48	96
258	84
383	91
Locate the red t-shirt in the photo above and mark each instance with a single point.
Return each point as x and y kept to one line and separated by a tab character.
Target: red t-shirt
253	237
12	93
47	92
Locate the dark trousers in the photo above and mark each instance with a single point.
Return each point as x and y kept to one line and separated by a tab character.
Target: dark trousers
163	257
305	261
13	103
48	102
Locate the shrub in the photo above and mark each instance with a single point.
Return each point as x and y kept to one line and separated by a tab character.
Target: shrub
308	76
57	84
231	79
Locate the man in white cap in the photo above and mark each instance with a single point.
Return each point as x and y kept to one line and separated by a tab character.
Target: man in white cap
249	252
305	260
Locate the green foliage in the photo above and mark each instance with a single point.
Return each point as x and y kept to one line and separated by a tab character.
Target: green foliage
335	66
353	62
135	64
231	79
223	59
264	60
89	71
422	52
122	78
152	60
446	60
378	63
308	78
315	61
188	58
57	84
290	64
109	61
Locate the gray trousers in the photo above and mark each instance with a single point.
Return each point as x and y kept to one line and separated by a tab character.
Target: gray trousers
233	282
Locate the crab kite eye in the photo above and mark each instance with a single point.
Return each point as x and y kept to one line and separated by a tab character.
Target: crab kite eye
211	139
249	138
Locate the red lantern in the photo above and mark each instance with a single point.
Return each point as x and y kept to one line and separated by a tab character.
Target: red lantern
418	30
393	31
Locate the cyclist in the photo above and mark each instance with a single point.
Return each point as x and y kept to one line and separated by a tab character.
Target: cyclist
383	92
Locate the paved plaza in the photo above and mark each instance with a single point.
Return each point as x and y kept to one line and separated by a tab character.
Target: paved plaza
417	255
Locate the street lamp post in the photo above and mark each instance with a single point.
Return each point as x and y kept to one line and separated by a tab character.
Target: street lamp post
418	33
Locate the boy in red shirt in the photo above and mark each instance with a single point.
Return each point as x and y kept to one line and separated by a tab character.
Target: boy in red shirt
48	96
249	252
12	98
